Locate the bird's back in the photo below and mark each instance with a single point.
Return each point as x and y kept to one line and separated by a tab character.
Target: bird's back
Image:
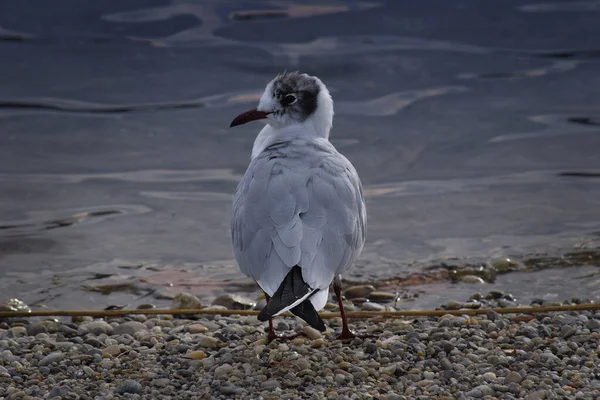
300	203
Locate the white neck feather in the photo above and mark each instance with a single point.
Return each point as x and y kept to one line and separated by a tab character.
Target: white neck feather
317	125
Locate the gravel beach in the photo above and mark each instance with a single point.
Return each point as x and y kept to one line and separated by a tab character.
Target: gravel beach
549	356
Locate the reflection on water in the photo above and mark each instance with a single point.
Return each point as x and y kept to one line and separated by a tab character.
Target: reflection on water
473	145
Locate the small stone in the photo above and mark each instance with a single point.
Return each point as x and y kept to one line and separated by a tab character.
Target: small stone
393	396
98	327
454	305
234	302
355	292
302	363
513	377
490	376
593	324
223	370
129	386
34	329
17	331
55	357
537	395
113	350
389	369
340	378
368	306
129	327
528	384
381	297
14	305
567	331
270	384
186	301
197	328
311	332
59	391
88	371
4	372
485	390
210	342
196	355
471	279
370	348
317	343
529	331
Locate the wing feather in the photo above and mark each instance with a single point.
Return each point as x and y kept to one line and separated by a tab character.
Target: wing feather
298	204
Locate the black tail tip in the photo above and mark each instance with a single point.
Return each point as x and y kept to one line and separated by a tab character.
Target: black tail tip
320	326
264	315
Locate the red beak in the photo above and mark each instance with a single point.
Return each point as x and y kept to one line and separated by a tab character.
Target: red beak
250	115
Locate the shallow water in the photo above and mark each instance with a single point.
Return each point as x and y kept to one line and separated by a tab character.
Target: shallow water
475	129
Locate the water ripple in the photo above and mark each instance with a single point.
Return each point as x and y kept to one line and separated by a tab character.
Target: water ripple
558	67
392	103
129	176
565	6
555	125
39	221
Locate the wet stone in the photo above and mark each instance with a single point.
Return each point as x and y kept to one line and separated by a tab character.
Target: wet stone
234	302
361	291
381	297
14	305
185	301
369	306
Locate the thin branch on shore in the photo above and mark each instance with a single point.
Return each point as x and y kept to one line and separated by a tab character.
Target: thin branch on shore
324	315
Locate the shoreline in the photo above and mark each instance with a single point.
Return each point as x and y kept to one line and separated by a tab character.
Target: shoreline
505	356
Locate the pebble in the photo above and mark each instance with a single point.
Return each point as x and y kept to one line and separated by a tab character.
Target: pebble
98	327
17	331
129	328
471	279
381	297
112	351
210	342
197	328
222	357
129	386
185	301
513	377
55	357
368	306
270	384
355	292
234	302
311	332
223	370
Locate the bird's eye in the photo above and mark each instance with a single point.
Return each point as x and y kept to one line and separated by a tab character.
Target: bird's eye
289	100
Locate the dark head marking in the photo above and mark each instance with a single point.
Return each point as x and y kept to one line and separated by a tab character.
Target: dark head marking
297	94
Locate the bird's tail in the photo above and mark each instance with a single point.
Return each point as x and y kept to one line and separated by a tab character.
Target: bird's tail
293	294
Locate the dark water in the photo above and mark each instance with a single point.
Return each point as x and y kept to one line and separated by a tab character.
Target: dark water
475	128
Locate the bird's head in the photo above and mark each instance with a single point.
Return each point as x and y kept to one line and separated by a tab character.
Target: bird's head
293	98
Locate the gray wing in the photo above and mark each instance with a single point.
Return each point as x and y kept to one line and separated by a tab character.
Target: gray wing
298	207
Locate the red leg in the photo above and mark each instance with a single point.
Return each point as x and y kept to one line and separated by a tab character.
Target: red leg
272	335
346	334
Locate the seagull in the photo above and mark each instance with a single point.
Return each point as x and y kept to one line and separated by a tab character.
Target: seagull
299	215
